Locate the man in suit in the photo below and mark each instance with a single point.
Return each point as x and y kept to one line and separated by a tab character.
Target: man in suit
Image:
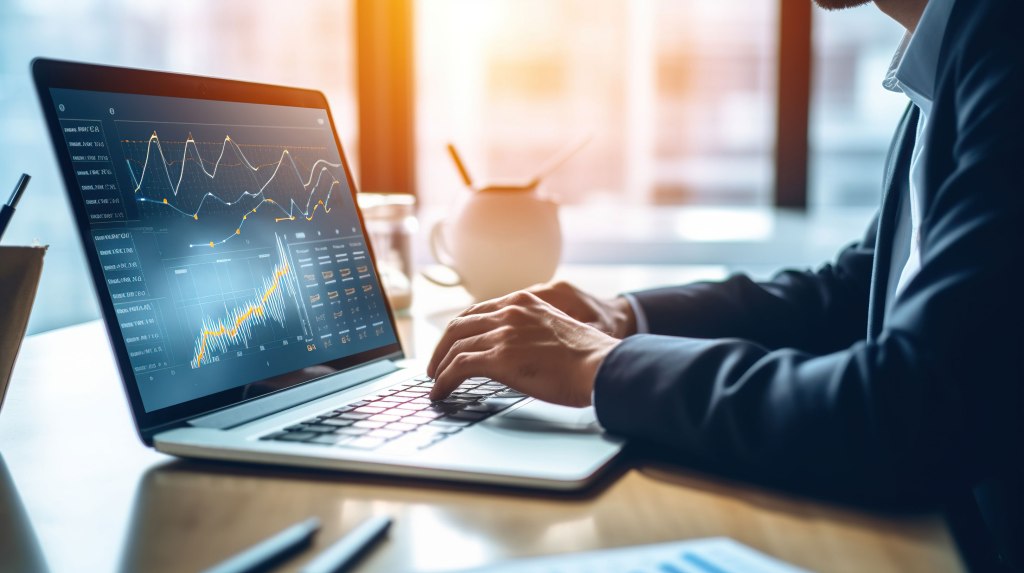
897	369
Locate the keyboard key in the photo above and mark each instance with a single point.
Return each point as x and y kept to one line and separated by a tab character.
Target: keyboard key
319	428
415	420
449	421
384	433
401	413
425	414
479	379
359	403
433	429
393	399
468	416
510	393
273	436
297	436
337	422
350	431
493	404
354	416
424	378
384	418
295	428
328	439
412	407
459	398
479	392
400	426
369	410
412	392
445	407
369	424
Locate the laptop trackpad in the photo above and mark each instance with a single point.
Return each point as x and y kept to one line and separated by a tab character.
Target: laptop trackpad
547	416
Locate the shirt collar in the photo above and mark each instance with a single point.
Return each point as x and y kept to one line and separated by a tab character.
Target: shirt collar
915	64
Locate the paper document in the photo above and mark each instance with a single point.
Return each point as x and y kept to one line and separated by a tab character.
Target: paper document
714	555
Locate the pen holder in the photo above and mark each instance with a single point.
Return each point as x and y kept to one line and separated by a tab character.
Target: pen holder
20	268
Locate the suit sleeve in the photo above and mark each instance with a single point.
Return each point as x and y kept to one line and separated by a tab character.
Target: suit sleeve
930	404
817	311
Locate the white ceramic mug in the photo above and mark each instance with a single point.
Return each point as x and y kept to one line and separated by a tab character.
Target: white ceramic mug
499	241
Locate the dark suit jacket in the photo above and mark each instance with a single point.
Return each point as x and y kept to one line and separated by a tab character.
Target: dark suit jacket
807	378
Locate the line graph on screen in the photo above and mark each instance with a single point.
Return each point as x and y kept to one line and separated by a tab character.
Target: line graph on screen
222	186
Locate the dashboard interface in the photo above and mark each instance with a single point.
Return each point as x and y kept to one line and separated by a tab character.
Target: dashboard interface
227	236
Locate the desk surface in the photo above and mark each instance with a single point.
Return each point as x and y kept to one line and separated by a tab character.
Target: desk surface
97	500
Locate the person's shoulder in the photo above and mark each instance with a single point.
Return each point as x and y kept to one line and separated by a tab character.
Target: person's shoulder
976	25
982	48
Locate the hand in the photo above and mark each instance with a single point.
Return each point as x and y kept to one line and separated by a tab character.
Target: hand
611	316
525	343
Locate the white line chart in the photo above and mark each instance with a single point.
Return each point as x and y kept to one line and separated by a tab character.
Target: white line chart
319	174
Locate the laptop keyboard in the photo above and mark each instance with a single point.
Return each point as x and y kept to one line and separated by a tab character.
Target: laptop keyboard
402	418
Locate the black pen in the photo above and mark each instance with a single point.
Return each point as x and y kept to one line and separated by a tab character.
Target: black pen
7	210
271	550
343	552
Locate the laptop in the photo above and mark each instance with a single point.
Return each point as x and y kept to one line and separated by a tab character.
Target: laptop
241	296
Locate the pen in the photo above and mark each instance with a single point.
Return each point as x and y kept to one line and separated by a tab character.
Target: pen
270	550
7	210
460	166
346	549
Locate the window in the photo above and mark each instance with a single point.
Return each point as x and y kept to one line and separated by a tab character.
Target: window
852	115
678	96
307	44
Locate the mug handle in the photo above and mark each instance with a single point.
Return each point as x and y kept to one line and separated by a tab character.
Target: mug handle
439	249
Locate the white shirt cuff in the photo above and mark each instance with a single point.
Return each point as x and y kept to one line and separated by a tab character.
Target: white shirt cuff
638	313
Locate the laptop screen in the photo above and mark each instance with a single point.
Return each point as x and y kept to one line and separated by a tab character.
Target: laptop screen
227	236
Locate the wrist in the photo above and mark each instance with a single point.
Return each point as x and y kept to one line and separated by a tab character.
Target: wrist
625	318
592	367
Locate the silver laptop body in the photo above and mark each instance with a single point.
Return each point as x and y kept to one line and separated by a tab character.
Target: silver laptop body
241	297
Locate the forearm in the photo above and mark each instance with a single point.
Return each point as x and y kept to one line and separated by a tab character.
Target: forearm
818	311
872	417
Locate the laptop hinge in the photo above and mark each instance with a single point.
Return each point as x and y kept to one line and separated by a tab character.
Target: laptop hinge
280	401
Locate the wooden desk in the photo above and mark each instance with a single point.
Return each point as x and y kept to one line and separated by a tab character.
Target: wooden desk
97	500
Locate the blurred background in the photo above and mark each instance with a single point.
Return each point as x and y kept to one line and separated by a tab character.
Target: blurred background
681	98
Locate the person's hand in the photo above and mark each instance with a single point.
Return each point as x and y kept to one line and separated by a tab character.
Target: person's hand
525	343
611	316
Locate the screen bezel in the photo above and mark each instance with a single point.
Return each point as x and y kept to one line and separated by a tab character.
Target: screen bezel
49	74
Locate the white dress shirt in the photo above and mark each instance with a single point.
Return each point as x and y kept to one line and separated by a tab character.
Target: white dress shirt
912	72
